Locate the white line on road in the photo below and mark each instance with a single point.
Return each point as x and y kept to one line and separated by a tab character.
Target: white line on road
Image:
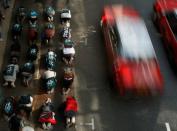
167	126
92	124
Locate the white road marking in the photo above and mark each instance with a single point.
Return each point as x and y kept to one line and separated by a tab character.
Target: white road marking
92	124
167	126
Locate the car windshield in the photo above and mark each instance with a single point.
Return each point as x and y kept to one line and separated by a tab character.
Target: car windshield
134	39
172	19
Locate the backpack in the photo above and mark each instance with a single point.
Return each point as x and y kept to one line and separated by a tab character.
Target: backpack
8	106
25	99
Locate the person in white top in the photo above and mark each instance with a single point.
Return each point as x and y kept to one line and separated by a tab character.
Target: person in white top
49	74
50	81
68	52
10	73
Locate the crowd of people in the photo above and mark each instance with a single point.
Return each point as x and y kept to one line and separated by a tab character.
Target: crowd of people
17	109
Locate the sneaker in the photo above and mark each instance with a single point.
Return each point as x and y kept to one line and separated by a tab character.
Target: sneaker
13	85
5	84
27	83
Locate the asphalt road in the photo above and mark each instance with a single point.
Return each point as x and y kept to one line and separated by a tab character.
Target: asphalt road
100	107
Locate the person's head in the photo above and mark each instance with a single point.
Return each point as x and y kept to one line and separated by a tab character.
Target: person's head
28	65
16	26
14	60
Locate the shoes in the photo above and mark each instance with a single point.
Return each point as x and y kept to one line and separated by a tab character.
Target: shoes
13	85
5	84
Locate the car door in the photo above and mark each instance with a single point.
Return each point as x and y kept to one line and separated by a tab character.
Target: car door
164	29
115	45
167	32
113	48
108	43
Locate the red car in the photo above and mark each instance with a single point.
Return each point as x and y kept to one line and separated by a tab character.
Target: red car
165	17
131	56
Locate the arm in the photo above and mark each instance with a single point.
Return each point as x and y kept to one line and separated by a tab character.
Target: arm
17	68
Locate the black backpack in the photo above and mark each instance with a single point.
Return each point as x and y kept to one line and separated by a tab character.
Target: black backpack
24	99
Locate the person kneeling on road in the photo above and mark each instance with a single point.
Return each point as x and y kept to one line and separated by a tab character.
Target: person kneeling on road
68	52
16	123
50	81
25	104
10	73
71	108
27	71
32	52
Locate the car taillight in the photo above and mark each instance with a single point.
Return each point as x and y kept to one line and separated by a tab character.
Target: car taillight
103	19
125	73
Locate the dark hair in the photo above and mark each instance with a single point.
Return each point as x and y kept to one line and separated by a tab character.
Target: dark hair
14	60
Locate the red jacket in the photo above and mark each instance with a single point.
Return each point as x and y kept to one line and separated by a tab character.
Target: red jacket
49	33
71	104
47	117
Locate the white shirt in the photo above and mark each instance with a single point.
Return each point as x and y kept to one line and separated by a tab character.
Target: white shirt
67	51
49	74
13	70
66	15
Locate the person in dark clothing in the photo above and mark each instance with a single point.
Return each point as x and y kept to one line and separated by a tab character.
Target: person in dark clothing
16	31
71	108
27	71
25	104
15	123
32	52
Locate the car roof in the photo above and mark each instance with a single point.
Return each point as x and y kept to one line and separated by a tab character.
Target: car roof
136	42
